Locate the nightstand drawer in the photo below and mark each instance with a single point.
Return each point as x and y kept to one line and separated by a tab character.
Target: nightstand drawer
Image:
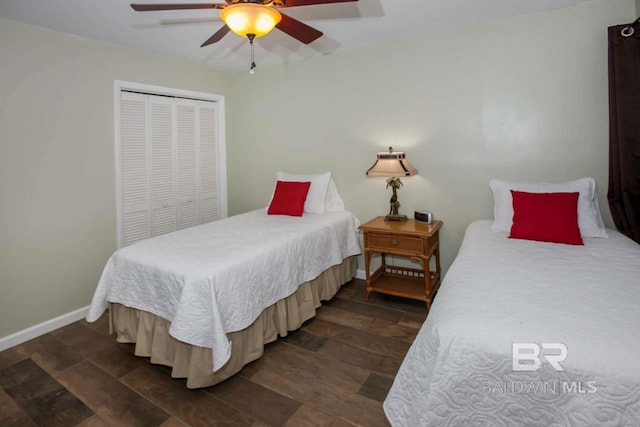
386	241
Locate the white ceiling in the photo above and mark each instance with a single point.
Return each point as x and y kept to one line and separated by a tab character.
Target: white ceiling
180	33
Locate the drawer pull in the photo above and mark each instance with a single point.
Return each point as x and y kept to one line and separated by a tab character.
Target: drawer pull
394	243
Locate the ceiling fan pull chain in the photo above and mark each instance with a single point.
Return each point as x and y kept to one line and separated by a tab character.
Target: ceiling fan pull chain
253	63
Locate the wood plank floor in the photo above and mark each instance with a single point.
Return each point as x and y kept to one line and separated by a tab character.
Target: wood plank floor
336	370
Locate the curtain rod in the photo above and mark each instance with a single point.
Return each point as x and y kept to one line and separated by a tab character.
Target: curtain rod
630	29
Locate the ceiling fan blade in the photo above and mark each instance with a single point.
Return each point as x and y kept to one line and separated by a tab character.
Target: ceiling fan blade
217	36
151	7
298	30
293	3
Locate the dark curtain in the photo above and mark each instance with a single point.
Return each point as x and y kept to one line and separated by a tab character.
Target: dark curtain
624	129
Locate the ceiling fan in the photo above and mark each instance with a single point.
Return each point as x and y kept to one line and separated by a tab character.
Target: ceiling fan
251	18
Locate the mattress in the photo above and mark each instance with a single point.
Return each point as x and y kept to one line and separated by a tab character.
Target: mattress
216	278
503	293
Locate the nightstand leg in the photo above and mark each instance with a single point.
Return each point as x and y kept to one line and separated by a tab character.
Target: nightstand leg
424	263
367	262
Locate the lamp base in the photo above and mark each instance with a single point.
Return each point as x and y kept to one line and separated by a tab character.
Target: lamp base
395	218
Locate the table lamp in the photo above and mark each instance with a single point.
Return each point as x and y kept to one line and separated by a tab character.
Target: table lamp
392	165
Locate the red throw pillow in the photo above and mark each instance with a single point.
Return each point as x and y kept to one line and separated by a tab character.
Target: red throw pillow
289	198
546	217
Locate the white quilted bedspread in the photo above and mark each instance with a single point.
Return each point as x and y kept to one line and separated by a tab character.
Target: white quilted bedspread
218	277
500	291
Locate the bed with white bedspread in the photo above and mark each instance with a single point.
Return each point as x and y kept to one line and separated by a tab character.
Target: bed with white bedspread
217	278
500	291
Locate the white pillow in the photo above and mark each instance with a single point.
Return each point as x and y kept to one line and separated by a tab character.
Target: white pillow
317	191
333	202
589	218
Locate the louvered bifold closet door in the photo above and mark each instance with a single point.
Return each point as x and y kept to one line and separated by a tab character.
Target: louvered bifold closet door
187	161
208	129
134	168
169	164
163	182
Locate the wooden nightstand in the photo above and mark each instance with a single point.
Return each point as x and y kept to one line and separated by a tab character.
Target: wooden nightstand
411	239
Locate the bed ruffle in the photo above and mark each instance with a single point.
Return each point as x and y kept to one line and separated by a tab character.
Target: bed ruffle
150	333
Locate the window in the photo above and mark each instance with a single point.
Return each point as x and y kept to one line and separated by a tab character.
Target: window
170	161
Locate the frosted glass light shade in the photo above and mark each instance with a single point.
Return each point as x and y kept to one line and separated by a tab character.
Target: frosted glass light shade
391	164
250	18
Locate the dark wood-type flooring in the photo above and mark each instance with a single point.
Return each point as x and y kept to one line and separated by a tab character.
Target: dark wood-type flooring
336	370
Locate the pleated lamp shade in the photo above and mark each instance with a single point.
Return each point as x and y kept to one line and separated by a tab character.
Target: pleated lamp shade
390	164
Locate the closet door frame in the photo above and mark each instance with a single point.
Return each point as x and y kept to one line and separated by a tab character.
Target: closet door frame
120	86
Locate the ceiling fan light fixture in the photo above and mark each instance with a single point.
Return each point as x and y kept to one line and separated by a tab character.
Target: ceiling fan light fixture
250	18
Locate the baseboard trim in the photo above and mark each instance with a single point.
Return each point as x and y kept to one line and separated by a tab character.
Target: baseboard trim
42	328
360	274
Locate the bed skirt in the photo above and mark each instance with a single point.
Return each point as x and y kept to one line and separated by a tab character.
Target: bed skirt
150	333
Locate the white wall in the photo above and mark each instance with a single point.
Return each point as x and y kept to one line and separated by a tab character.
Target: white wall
57	163
524	98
